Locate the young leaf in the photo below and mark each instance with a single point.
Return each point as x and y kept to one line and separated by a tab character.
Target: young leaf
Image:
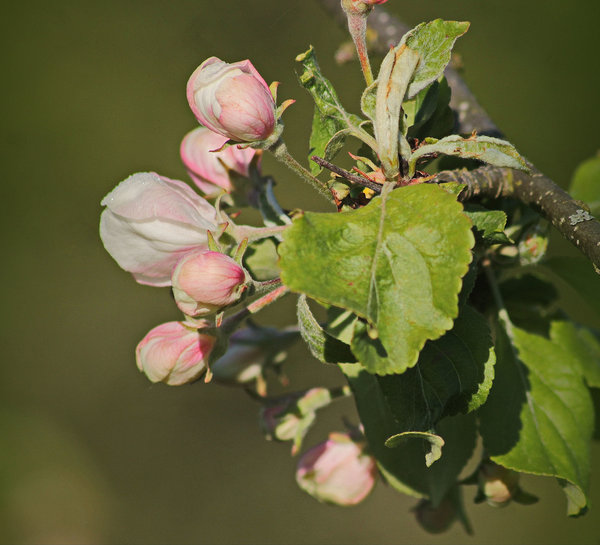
394	76
488	224
539	415
434	441
434	42
483	148
330	117
397	263
322	346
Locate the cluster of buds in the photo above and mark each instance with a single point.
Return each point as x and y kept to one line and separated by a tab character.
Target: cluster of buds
160	230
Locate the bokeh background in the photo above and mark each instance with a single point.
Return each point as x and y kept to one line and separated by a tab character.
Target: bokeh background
90	451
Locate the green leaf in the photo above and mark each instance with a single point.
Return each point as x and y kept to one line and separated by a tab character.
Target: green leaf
404	467
434	42
490	150
322	346
539	416
434	441
583	346
488	224
578	273
261	259
454	374
330	117
585	185
530	302
397	263
417	111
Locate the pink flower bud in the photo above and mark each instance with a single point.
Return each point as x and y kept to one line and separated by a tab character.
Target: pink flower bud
174	353
206	282
150	222
337	471
232	100
207	168
497	484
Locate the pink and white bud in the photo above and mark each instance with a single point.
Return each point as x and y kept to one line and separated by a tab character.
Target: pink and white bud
337	471
205	282
174	353
208	168
232	100
150	222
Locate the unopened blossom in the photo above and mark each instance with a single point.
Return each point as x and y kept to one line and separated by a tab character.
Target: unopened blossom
174	353
207	166
337	471
497	484
205	282
150	222
232	100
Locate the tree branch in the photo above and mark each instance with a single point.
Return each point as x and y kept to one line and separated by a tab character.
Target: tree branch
536	190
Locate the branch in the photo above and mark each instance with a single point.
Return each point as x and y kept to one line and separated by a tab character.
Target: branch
536	190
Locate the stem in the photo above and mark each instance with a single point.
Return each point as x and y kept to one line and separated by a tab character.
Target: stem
357	25
493	283
280	151
234	320
351	177
538	192
257	233
262	287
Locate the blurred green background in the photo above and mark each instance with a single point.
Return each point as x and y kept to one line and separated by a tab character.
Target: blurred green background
90	451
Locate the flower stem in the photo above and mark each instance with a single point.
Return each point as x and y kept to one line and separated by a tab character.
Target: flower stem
357	25
234	320
256	233
281	153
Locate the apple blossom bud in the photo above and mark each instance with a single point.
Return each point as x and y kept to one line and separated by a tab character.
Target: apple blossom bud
438	519
232	100
497	484
174	353
337	471
150	222
208	168
205	282
359	7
